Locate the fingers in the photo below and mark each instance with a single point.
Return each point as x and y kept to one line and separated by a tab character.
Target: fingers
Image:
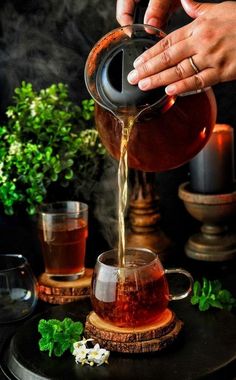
165	45
195	9
157	12
167	59
187	75
195	56
181	71
125	11
196	83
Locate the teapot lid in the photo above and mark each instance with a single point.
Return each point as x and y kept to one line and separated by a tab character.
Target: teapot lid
112	83
110	62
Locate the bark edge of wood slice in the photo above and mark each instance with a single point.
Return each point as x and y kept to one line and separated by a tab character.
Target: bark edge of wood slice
61	292
150	338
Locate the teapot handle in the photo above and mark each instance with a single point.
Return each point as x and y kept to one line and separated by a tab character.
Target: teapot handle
180	296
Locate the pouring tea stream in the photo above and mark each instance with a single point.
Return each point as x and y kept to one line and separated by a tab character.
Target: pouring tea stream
149	131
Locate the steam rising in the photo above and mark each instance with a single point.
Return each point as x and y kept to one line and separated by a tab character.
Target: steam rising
47	41
106	201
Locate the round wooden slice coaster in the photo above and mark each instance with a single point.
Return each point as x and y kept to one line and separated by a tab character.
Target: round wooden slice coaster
153	337
55	291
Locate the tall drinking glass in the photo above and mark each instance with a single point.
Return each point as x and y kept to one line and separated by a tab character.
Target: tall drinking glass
63	230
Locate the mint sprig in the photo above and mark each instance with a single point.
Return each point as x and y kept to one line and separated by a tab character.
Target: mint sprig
58	336
210	294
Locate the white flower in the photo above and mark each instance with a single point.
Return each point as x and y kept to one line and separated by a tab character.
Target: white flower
10	113
3	177
80	354
91	356
80	347
15	148
82	342
34	106
98	355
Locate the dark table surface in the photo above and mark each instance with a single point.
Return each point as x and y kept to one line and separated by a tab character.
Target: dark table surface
205	350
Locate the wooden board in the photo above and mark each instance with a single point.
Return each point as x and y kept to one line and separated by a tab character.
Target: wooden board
206	348
60	292
149	338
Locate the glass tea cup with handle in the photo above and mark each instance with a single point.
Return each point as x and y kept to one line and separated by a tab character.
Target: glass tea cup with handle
136	294
18	288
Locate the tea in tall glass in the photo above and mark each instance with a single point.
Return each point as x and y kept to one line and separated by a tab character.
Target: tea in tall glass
63	230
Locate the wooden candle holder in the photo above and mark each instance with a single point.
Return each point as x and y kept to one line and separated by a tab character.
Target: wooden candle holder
144	217
56	291
216	240
154	337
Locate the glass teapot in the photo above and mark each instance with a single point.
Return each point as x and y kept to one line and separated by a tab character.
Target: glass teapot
168	131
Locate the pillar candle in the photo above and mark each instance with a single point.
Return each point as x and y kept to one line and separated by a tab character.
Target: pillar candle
212	170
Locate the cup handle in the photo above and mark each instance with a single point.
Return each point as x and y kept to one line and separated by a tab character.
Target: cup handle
184	273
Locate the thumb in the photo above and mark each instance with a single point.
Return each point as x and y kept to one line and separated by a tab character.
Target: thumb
195	9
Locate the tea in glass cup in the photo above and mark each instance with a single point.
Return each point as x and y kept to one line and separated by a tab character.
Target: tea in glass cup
63	230
136	294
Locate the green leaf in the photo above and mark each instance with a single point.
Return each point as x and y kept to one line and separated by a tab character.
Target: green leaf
69	162
194	300
197	288
54	177
204	304
224	296
69	174
215	303
44	344
46	138
44	327
216	286
58	336
211	294
205	286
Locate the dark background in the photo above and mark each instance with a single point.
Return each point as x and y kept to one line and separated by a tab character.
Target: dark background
48	41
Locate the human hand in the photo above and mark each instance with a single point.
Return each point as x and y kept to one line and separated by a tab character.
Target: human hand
195	56
156	14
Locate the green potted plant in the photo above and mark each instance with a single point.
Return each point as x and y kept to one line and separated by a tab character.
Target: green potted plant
49	148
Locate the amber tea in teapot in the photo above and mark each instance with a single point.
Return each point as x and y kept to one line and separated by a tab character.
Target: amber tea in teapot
162	140
167	131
